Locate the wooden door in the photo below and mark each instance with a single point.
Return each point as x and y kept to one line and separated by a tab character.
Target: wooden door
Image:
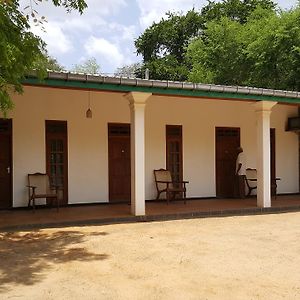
57	157
227	142
174	151
5	164
119	162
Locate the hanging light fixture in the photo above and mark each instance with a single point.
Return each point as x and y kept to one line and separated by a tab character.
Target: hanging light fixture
89	112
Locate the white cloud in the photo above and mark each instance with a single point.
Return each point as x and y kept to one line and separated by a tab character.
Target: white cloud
95	8
107	28
57	41
104	51
122	32
76	24
94	16
286	4
105	7
153	11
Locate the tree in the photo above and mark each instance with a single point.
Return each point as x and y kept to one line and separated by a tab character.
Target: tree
21	50
217	56
53	65
69	5
273	50
235	10
263	52
89	66
163	45
48	62
165	68
128	70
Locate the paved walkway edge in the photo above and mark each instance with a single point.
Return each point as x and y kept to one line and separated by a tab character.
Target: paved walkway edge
154	218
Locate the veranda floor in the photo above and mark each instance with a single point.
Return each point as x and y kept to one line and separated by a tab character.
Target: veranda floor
116	213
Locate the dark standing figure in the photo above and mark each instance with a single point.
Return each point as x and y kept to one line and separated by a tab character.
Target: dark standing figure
240	173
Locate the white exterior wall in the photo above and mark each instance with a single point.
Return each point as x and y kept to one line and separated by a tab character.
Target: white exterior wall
199	118
88	140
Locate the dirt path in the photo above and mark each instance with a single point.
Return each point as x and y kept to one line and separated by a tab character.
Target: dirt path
253	257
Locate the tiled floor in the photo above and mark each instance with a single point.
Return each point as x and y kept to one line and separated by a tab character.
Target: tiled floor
109	213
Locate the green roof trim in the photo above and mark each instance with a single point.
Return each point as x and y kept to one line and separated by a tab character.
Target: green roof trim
58	83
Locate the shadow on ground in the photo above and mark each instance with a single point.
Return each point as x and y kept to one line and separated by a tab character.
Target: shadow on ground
24	257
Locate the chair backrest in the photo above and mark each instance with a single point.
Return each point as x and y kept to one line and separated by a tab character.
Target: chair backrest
162	175
251	174
41	182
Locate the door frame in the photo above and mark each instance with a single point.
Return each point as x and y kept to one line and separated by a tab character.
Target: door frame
216	167
170	138
66	157
10	132
109	125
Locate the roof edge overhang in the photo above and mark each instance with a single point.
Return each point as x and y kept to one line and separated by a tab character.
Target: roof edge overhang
166	88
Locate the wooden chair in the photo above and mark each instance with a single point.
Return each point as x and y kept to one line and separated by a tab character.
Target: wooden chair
39	187
165	184
251	180
274	186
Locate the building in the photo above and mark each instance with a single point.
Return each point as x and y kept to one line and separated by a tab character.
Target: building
192	129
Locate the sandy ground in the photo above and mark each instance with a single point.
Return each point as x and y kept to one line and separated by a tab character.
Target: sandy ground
252	257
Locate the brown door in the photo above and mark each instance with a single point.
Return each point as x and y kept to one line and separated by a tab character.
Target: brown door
174	151
227	141
57	157
273	161
119	162
5	164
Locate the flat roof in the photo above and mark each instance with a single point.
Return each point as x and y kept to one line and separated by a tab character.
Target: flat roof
160	87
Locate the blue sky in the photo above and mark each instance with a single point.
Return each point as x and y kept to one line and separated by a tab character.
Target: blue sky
107	29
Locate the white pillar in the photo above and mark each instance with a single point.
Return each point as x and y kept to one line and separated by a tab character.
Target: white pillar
137	103
263	111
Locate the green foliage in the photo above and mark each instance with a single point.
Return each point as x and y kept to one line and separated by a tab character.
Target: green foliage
217	57
163	45
272	48
69	5
169	36
235	10
89	66
47	62
128	70
53	65
21	50
165	68
263	52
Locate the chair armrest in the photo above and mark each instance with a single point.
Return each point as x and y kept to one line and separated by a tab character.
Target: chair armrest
31	186
181	183
164	181
167	182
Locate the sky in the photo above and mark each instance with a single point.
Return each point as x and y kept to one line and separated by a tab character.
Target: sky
107	29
